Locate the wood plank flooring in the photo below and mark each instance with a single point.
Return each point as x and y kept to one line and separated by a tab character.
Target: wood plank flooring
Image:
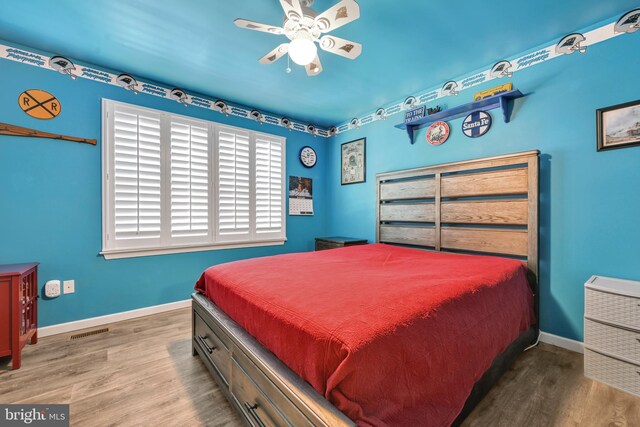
141	372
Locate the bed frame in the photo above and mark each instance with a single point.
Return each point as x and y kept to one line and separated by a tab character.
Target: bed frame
484	206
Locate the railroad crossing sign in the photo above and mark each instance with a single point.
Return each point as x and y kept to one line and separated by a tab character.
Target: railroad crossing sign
39	104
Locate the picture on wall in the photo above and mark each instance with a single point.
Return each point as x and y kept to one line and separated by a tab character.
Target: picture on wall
618	126
353	161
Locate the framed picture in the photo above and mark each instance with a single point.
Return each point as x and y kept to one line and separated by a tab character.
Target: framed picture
618	126
353	161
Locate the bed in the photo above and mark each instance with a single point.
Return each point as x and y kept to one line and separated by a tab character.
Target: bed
384	334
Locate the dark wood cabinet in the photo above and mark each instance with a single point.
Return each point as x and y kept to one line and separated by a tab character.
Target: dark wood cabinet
18	309
323	243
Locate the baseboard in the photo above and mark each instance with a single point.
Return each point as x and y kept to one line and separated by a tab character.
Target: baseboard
92	322
562	342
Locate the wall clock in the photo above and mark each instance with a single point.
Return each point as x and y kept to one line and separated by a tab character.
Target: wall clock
437	133
308	157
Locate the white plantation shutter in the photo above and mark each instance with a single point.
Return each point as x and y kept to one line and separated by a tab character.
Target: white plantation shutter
136	176
233	183
269	180
189	179
173	184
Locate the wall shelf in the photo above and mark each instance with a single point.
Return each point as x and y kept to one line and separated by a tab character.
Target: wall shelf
503	100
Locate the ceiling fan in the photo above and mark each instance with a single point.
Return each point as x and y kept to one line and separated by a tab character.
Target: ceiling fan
304	27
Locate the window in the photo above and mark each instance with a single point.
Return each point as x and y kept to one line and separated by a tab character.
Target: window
176	184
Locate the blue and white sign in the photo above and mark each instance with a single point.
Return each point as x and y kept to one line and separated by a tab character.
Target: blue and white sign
476	124
413	115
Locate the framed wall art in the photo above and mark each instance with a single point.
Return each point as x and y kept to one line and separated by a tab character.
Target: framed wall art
618	126
353	161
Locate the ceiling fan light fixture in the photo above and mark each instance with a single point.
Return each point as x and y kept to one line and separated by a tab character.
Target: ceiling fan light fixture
302	49
304	26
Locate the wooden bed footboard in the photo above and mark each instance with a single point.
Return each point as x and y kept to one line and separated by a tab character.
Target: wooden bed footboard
261	388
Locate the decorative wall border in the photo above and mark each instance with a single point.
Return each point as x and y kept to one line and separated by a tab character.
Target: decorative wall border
627	23
76	70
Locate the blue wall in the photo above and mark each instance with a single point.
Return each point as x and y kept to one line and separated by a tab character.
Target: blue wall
50	202
589	201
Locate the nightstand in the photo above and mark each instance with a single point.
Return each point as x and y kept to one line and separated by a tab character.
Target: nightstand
612	332
323	243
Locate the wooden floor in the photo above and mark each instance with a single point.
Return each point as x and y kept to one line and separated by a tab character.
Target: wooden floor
141	372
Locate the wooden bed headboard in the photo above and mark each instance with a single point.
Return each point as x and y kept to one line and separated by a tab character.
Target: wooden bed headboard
486	206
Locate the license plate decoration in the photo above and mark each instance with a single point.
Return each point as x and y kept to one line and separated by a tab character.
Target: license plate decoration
438	133
476	124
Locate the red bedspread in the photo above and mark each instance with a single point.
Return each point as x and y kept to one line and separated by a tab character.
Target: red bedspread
390	335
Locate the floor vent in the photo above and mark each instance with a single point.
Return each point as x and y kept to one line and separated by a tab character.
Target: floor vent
88	334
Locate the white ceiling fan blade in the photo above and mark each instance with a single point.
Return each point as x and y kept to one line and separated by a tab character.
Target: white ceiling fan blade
341	47
314	68
342	13
257	26
292	9
275	54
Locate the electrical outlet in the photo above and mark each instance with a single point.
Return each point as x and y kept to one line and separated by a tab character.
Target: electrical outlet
52	288
68	286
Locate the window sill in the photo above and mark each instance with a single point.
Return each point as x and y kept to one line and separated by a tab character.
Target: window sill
133	253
